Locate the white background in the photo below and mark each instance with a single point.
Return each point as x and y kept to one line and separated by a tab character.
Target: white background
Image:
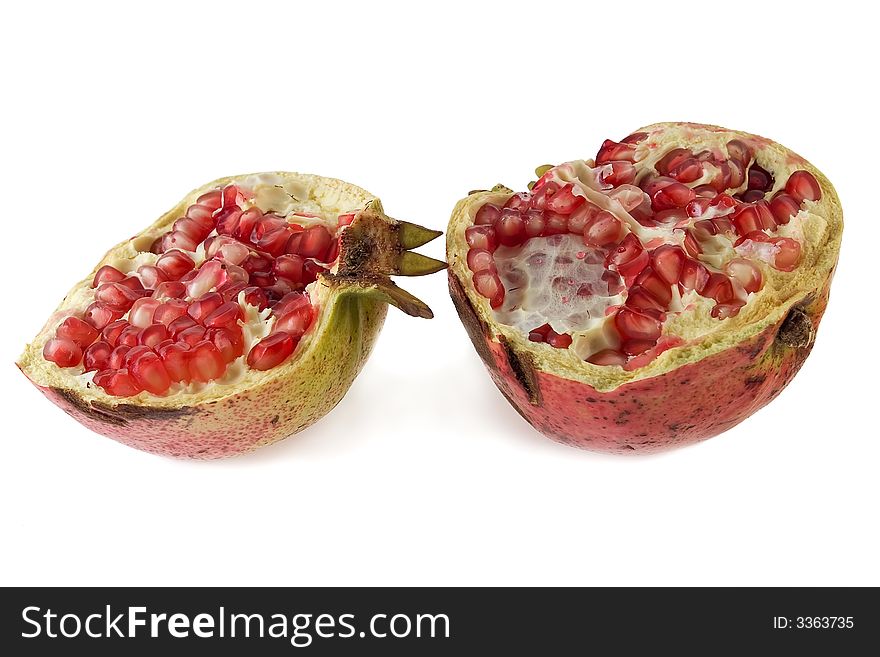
424	474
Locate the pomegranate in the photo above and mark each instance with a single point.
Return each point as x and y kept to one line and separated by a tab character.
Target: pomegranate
238	318
679	291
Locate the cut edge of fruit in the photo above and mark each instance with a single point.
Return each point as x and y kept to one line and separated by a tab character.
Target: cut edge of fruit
821	235
333	196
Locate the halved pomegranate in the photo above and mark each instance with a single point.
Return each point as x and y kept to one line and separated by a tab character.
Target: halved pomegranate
679	291
239	318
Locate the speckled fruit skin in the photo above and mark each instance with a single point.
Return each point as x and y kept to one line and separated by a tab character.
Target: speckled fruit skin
681	407
253	417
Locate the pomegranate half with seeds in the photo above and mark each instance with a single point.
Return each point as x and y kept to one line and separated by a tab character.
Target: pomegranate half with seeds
238	318
651	297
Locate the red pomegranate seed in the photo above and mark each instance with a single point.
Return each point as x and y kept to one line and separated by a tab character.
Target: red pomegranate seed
169	290
636	347
602	229
210	275
227	222
488	215
169	311
687	171
483	237
295	321
651	185
175	358
668	261
751	196
111	332
803	186
99	316
230	289
725	310
719	288
694	276
315	243
231	196
257	262
232	252
565	201
737	173
705	191
697	207
175	264
559	340
271	351
634	325
134	353
119	383
212	200
789	254
204	306
153	335
622	173
675	195
262	279
289	266
611	150
274	241
746	272
311	270
255	296
117	356
229	342
150	374
133	283
534	224
116	296
635	138
107	274
642	300
141	313
192	228
151	276
129	336
191	336
672	160
540	196
78	331
345	219
510	228
519	201
97	356
721	181
228	313
63	352
489	285
746	219
555	224
480	260
629	257
204	214
740	151
607	357
182	323
654	285
759	179
177	240
784	207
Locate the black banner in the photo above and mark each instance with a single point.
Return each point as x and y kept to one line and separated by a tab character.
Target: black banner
417	621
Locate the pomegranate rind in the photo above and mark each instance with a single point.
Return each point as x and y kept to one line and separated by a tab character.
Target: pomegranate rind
261	407
569	399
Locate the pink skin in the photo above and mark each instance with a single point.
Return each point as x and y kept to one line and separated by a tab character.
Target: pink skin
681	407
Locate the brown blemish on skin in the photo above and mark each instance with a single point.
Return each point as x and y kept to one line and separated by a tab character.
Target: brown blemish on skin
476	329
523	370
796	330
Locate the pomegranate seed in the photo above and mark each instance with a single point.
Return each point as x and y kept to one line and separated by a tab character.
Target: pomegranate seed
675	195
719	288
290	302
611	150
697	207
274	241
746	219
231	196
191	228
295	322
201	213
169	290
204	306
228	313
97	356
182	323
107	274
111	332
151	276
607	357
271	351
480	260
116	296
228	220
248	221
622	173
191	336
289	266
721	181
257	262
642	300
483	237
169	311
133	283
345	219
784	207
153	335
672	160
672	217
603	229
177	240
210	275
141	314
149	372
635	138
725	310
510	228
788	256
751	196
694	276
78	331
740	151
654	285
229	342
175	357
63	352
488	215
705	191
687	171
489	285
629	257
129	336
315	243
134	353
668	261
759	179
254	296
212	200
117	356
119	383
559	340
737	173
635	325
803	186
652	185
565	201
636	347
746	272
311	269
99	316
534	223
232	252
175	264
262	279
541	196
